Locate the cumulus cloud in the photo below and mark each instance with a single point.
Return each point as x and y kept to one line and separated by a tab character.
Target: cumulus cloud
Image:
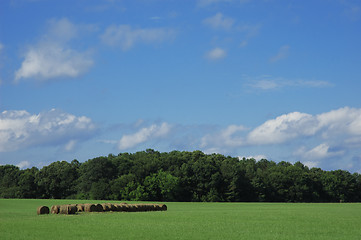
339	130
344	122
284	128
52	60
52	57
219	21
143	135
125	37
20	129
282	54
216	54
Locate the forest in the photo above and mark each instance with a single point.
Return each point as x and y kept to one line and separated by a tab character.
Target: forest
180	176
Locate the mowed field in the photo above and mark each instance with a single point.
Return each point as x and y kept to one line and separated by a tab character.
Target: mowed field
18	220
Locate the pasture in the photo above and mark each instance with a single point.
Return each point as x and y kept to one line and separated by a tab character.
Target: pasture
18	220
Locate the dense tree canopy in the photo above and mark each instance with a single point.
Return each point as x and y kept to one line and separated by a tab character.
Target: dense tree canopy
180	176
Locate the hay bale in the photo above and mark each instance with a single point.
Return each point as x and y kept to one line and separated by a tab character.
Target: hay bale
141	208
112	207
67	209
99	207
90	207
63	209
122	207
42	210
157	207
72	209
126	207
55	209
80	207
163	207
106	207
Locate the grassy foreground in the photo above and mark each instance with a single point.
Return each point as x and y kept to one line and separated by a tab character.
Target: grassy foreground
18	220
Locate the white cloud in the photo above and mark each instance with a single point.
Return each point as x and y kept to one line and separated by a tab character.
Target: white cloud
284	128
218	21
319	152
23	164
342	124
143	135
341	121
20	129
228	137
125	37
51	57
311	164
339	130
216	54
282	54
52	60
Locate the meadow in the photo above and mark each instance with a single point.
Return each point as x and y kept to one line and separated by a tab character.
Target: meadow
18	220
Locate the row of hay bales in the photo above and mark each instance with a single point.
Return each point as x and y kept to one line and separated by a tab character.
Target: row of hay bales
105	207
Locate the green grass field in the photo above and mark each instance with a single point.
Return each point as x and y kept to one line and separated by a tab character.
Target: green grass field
18	220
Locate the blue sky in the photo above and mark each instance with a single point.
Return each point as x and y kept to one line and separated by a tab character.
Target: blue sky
266	79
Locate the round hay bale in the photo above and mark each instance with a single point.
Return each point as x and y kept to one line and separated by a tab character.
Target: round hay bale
125	207
112	207
105	207
42	210
72	209
80	207
147	207
132	207
99	207
122	207
163	207
90	207
55	209
157	207
141	207
63	209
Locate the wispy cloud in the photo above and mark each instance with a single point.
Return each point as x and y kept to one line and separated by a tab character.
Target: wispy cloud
20	129
283	53
52	57
266	82
143	135
318	153
125	37
219	22
226	138
205	3
216	54
1	48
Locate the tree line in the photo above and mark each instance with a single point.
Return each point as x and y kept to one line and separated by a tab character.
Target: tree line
180	176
